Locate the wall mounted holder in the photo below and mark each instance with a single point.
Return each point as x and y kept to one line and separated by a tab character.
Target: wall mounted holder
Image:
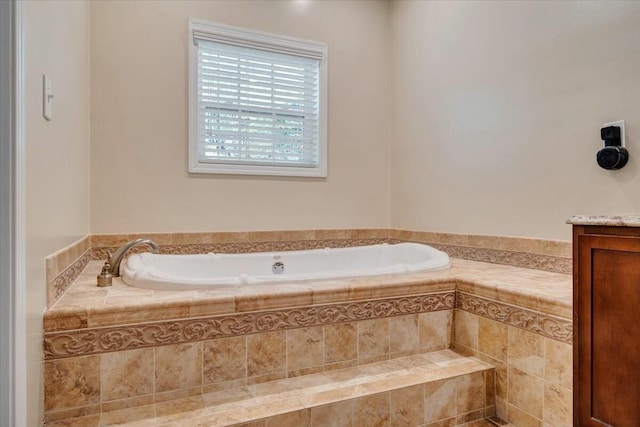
614	155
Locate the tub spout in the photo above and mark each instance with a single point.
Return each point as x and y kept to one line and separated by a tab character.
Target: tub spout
116	258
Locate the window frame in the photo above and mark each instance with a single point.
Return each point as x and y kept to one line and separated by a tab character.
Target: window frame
266	41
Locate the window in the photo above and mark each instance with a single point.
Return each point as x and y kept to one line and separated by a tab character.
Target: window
257	103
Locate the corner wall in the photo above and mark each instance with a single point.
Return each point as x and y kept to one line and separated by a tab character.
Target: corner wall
56	37
497	109
139	129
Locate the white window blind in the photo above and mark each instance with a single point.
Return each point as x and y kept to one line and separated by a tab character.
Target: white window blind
258	105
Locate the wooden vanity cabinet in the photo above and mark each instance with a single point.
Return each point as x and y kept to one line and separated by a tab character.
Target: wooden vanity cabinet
606	310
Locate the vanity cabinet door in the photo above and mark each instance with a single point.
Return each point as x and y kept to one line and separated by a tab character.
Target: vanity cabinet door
607	328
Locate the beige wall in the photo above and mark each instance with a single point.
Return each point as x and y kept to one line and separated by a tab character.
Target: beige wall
139	77
497	108
57	155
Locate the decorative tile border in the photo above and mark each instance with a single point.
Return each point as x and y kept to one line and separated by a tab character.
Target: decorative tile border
248	247
519	259
57	286
64	266
539	323
59	345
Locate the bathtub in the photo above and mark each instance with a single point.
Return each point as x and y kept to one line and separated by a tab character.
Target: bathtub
177	272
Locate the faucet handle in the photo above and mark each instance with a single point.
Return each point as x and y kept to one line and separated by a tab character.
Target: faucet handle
109	256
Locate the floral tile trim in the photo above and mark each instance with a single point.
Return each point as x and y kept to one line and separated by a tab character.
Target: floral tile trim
247	247
519	259
102	340
532	321
63	280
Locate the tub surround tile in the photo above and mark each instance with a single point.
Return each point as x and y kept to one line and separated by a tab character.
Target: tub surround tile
99	340
540	323
435	329
178	366
549	255
440	400
526	288
404	334
266	354
86	421
413	312
466	329
335	414
558	363
126	373
373	410
387	393
526	392
305	348
526	351
340	342
493	338
558	409
71	382
373	339
470	392
224	360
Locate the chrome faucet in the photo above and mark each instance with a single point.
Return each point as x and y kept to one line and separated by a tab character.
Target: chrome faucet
116	258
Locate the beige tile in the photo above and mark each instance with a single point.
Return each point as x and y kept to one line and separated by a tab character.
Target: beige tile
341	342
466	329
116	405
490	388
126	416
558	367
473	419
125	374
174	410
266	354
526	392
520	418
435	329
449	422
86	421
305	348
71	382
502	409
404	333
259	423
439	400
493	338
526	351
178	366
340	414
177	394
558	409
501	380
159	238
292	419
190	238
470	392
108	240
373	339
224	360
373	410
65	414
407	406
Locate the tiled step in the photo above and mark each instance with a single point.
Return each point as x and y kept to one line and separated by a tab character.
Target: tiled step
434	389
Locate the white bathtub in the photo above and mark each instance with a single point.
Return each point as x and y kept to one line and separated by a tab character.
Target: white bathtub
176	272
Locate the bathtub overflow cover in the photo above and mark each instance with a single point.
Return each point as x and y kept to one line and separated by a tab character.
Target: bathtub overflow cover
277	268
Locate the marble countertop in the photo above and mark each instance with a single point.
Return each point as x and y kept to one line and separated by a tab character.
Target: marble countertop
608	220
86	306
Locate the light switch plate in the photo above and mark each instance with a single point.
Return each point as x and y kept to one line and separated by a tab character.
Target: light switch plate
47	98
